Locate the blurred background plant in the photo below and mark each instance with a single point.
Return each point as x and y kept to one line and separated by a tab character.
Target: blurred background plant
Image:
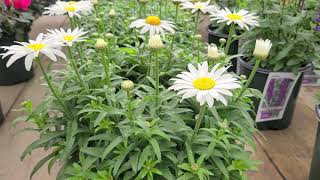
16	21
291	27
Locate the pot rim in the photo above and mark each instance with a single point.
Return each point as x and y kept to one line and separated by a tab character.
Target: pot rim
267	71
216	33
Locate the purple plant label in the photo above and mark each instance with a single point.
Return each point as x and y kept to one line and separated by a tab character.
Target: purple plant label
276	94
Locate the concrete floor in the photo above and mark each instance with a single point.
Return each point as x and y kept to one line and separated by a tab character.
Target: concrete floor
12	140
285	154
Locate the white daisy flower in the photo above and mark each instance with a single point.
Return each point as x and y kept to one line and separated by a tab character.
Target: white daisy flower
203	7
206	86
243	18
72	8
31	50
154	25
68	37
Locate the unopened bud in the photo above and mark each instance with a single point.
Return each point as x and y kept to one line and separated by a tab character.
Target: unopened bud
112	13
127	85
101	44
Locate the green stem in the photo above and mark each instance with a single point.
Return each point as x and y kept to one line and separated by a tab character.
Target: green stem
230	38
165	7
198	51
198	121
156	70
105	63
74	66
113	26
71	23
195	30
80	50
171	49
140	10
149	66
160	13
177	11
52	89
253	72
129	107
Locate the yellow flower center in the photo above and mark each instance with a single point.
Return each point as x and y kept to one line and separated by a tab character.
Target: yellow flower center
234	17
199	5
70	8
204	83
153	20
68	38
36	46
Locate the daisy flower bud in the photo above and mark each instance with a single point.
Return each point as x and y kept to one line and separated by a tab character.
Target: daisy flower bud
262	49
198	36
127	85
222	40
95	2
112	13
109	35
213	52
143	1
155	42
101	44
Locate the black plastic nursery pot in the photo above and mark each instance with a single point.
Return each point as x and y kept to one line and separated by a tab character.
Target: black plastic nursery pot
287	91
1	115
213	37
17	72
315	163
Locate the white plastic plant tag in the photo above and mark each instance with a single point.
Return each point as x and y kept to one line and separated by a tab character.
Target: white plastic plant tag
276	95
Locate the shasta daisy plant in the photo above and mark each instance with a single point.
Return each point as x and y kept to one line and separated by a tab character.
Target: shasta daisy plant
198	8
244	19
31	51
207	86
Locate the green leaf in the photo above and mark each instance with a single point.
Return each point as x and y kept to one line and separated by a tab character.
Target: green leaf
93	151
42	162
156	148
121	158
41	142
112	145
70	139
144	156
221	166
134	160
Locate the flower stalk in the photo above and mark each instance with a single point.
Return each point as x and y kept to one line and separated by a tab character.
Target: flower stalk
52	89
74	66
195	29
230	37
252	74
198	121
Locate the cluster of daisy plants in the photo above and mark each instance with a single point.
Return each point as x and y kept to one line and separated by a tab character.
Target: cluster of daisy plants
140	97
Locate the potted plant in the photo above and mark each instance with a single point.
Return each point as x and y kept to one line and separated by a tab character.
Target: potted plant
315	163
218	31
1	115
99	125
291	28
15	23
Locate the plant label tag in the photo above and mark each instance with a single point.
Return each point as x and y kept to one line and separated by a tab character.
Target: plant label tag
276	94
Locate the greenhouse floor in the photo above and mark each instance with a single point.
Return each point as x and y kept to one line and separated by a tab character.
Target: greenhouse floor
285	154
